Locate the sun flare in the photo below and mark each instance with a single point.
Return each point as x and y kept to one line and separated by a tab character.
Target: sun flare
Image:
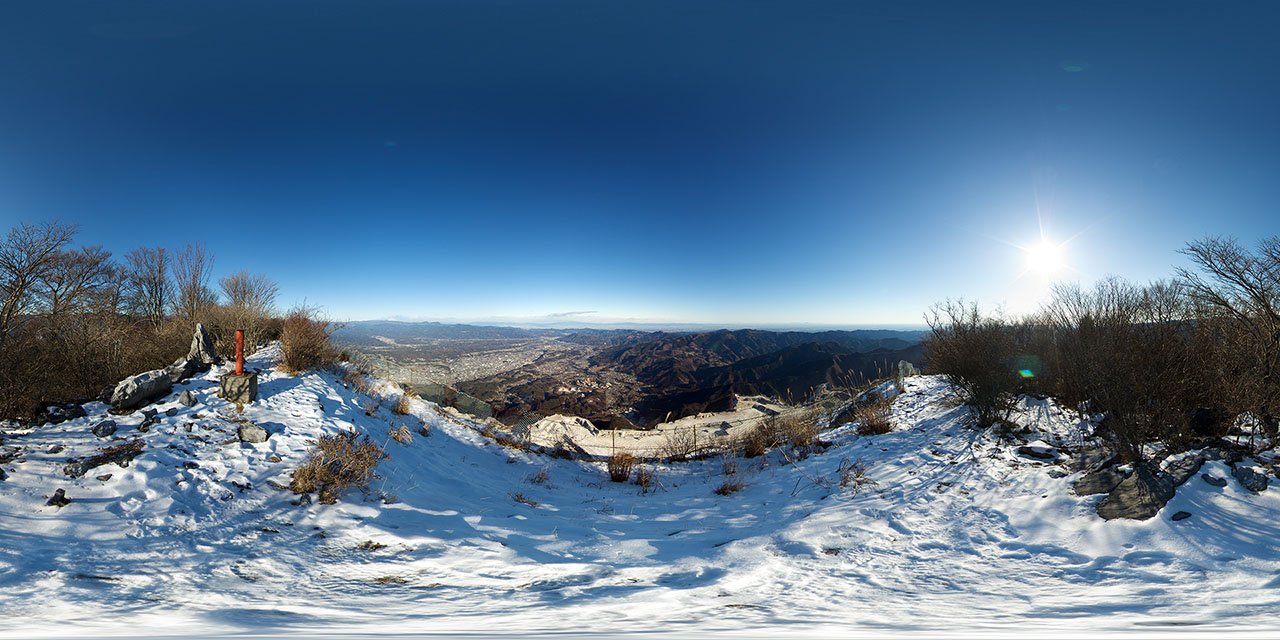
1046	258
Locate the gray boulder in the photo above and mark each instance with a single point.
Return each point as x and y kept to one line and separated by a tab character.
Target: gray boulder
252	433
1098	481
184	368
1093	460
1181	470
202	349
1038	452
138	390
105	428
187	399
1250	479
1138	497
1213	480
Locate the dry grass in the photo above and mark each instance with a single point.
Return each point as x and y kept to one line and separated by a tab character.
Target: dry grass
337	463
401	407
372	405
646	479
757	441
523	499
799	430
304	342
620	465
543	476
853	475
729	487
401	435
873	419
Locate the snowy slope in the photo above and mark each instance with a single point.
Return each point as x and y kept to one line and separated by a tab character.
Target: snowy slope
960	536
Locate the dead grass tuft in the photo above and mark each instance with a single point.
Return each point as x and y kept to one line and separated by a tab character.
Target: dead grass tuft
729	487
337	463
620	465
401	435
523	499
401	407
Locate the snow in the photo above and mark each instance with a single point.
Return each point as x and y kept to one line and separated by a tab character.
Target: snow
960	535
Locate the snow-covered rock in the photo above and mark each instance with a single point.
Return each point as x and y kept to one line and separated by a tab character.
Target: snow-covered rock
140	389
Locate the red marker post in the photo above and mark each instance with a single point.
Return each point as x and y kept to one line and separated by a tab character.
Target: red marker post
239	352
240	387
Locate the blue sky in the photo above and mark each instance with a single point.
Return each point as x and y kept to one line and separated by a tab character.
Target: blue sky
734	163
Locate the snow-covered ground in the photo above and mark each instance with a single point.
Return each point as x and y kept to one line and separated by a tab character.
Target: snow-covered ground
960	535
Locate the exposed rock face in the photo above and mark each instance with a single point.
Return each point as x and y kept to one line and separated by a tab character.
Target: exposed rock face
202	350
252	433
105	428
1138	497
1249	478
1181	470
187	399
138	390
551	431
1098	481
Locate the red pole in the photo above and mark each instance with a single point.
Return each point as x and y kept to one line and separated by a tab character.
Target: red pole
239	352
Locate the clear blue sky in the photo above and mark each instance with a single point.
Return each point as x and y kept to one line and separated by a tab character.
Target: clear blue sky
737	163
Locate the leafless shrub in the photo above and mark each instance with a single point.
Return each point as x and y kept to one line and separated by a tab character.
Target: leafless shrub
679	444
150	292
250	303
620	465
729	486
728	464
976	354
304	342
372	405
192	268
336	463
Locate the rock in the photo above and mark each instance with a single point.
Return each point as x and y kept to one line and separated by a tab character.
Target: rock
1213	480
1095	482
252	433
1039	452
1180	471
183	368
3	476
104	396
187	399
104	477
1093	460
59	499
57	413
75	469
148	414
202	350
1138	497
1249	478
105	428
138	390
55	449
1181	515
173	411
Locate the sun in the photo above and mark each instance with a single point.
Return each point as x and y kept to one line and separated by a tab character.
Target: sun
1046	258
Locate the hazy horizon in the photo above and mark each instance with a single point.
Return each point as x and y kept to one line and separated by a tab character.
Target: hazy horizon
760	164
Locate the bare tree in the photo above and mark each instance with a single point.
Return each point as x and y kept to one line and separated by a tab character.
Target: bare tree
250	303
192	268
73	282
1237	294
149	286
26	255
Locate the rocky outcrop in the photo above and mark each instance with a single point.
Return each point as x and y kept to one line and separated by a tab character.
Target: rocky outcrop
138	390
1138	497
202	349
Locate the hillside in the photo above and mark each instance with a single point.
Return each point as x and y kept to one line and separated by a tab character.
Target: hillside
959	532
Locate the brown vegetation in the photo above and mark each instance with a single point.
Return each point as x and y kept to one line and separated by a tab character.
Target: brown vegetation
304	342
337	463
620	465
